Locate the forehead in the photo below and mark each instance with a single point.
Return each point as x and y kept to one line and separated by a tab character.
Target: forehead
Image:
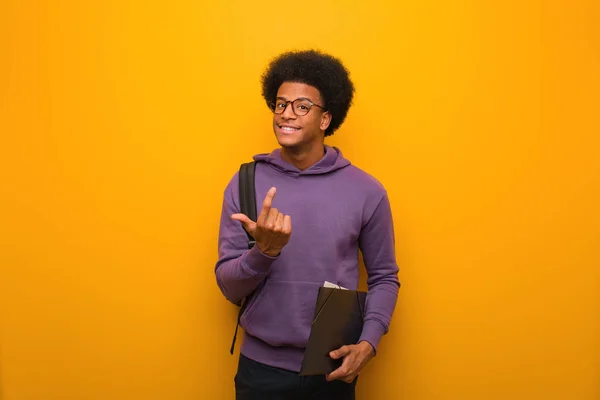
293	90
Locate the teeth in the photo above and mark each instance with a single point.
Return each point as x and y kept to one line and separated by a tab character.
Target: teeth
288	129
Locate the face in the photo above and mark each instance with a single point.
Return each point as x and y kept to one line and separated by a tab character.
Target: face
293	131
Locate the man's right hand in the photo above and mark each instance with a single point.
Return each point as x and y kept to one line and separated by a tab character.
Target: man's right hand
271	230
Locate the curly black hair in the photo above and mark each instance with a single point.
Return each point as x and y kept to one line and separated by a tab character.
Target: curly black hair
314	68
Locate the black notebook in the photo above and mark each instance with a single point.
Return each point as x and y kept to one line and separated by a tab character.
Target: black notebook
338	321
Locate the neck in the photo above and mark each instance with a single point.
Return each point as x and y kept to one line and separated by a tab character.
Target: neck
303	158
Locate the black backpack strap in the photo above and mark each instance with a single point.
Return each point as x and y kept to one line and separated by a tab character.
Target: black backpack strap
247	207
248	195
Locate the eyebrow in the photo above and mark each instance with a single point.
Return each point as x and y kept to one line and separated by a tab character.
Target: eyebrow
299	98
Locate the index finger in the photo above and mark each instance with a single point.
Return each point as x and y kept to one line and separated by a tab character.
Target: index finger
266	206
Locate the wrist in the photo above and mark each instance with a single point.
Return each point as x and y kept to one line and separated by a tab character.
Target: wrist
269	252
367	347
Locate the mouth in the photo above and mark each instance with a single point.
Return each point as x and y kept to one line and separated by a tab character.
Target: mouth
288	128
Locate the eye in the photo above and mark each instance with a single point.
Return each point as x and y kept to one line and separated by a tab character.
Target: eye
302	105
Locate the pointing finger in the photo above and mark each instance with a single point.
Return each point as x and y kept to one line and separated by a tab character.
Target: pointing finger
266	206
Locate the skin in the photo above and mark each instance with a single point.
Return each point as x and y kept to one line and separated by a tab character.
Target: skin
302	141
271	230
305	146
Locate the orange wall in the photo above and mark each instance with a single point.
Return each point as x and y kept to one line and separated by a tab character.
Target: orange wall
121	123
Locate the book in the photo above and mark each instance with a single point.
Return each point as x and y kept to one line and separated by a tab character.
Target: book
338	321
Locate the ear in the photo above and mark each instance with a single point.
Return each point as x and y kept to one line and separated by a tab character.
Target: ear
325	120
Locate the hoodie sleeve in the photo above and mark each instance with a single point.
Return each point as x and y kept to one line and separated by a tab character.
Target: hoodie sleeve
377	245
239	270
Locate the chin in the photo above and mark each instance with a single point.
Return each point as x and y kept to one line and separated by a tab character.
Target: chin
288	142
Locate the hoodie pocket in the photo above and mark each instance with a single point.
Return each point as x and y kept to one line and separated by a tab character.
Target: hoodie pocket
282	313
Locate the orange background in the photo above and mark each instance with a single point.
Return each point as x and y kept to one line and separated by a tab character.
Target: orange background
122	121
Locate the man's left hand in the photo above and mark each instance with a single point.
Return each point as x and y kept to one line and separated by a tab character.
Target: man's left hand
356	356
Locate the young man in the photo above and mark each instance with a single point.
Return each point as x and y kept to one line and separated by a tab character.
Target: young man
316	211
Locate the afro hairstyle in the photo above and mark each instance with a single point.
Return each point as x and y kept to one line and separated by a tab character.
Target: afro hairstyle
317	69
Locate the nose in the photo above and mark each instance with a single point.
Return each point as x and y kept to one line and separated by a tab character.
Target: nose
288	113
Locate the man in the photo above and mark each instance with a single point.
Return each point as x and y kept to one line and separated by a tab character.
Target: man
316	211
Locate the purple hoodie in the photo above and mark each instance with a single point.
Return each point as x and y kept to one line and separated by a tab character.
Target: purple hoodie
336	209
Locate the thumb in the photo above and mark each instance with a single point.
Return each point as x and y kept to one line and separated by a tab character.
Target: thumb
339	353
249	225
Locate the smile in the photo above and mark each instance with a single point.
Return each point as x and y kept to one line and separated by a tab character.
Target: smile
288	129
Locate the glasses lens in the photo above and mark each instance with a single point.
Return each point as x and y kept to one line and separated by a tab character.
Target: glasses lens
279	106
302	107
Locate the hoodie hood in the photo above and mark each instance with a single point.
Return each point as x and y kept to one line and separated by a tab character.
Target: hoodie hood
331	161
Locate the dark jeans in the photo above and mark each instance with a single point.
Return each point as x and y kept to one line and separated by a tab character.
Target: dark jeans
256	381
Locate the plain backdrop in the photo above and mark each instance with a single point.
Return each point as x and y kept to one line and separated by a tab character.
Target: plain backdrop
121	122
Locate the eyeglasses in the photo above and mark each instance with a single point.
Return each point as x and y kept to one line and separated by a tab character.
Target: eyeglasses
300	106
